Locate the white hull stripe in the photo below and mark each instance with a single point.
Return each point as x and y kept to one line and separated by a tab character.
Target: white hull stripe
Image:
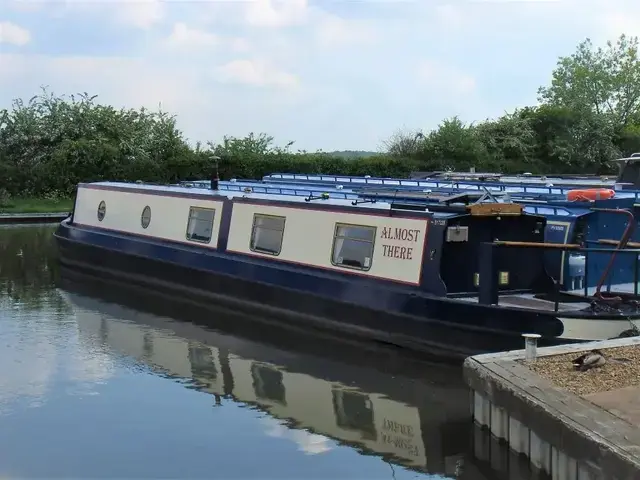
596	329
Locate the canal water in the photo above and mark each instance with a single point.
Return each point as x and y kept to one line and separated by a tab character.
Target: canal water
100	381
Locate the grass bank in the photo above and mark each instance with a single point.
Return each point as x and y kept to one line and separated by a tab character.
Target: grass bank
36	205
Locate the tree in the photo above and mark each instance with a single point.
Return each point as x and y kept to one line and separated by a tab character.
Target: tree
403	144
452	146
509	142
570	141
50	143
602	81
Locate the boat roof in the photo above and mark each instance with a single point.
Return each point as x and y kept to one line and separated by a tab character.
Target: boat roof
519	187
503	182
536	203
288	195
366	191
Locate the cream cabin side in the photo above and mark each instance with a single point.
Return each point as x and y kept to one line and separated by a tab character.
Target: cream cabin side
376	246
186	220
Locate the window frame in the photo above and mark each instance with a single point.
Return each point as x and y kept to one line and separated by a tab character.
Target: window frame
189	219
336	236
253	229
147	207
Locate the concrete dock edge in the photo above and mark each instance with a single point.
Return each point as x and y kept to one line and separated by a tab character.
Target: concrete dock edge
24	218
560	433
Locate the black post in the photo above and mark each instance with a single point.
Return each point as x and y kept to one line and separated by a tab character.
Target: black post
215	178
586	273
228	383
72	214
635	274
487	269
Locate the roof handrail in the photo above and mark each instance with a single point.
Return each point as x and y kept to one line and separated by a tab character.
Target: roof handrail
633	156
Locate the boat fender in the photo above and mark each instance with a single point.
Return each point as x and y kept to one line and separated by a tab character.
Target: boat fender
590	194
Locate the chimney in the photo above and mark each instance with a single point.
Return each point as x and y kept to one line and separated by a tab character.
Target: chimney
215	178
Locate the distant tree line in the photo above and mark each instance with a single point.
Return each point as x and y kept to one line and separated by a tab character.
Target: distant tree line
588	115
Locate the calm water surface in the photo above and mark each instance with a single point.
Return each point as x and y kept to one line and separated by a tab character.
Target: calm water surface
94	384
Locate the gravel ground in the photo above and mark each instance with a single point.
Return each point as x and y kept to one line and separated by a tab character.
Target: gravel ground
614	374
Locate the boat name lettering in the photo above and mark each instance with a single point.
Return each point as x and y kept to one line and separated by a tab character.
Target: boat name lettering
396	251
404	234
399	435
401	443
397	427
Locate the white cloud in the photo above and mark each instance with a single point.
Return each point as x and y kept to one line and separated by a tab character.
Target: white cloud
276	13
335	31
14	34
309	443
191	38
140	13
257	73
186	39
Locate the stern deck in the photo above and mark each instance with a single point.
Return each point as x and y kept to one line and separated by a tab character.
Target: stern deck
528	301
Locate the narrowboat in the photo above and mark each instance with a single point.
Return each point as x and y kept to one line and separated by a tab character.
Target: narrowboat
450	280
598	224
628	178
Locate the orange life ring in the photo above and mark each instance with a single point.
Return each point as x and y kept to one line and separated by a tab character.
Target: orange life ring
590	194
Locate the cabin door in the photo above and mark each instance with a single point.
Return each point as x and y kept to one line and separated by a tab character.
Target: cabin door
459	254
460	259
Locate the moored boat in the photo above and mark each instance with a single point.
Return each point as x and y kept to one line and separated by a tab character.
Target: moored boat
598	223
451	279
626	183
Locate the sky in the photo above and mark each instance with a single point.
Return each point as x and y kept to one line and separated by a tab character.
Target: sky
326	74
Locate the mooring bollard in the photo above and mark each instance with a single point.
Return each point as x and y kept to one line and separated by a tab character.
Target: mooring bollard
530	346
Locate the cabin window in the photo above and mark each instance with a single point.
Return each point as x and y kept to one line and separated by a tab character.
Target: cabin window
202	363
267	234
102	210
354	411
200	224
268	383
145	218
353	246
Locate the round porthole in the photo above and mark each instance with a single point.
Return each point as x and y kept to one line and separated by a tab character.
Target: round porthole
102	211
145	218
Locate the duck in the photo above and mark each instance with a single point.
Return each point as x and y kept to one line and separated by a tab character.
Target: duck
591	359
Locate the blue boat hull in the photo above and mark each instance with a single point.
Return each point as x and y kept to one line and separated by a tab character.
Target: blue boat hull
305	299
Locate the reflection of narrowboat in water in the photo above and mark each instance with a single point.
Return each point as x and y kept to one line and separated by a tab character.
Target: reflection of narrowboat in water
419	425
454	279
